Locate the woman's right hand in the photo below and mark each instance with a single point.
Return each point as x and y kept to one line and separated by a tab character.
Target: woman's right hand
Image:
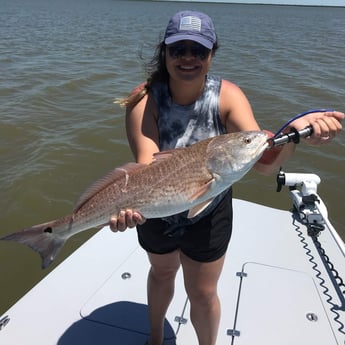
126	219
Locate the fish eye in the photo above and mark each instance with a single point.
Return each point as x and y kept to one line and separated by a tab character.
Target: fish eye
247	140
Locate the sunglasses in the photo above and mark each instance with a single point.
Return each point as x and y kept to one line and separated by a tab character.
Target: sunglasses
180	49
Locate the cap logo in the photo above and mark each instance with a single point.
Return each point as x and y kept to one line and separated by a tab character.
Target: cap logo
190	23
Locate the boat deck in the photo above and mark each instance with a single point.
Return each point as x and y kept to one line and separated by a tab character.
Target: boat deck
270	292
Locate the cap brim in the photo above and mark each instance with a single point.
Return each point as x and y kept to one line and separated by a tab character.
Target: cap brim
185	37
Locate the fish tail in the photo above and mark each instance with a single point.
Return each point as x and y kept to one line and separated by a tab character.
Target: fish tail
42	239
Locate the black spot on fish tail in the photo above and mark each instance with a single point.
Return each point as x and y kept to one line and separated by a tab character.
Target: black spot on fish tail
41	239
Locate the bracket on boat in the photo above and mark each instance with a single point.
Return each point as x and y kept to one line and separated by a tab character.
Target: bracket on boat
308	182
312	210
303	189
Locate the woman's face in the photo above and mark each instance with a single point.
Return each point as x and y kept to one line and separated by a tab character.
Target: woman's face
187	60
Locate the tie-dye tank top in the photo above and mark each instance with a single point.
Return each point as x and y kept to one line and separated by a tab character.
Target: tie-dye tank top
184	125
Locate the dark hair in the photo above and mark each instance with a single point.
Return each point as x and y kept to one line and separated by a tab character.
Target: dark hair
157	73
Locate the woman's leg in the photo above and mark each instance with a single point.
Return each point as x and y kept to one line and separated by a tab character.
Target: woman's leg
201	285
160	291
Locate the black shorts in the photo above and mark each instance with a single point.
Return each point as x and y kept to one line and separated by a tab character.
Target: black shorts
204	241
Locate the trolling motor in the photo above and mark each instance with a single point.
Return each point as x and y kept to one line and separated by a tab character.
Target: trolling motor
303	190
311	209
303	187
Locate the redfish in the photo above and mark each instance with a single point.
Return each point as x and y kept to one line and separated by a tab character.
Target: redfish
177	180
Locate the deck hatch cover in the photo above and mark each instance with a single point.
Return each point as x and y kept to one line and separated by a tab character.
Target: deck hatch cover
274	308
120	301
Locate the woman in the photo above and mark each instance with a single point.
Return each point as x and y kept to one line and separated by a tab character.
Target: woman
179	105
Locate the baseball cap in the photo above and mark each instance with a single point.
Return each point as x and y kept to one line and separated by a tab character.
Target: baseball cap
191	25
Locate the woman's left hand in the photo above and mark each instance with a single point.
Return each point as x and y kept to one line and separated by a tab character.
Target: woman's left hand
325	125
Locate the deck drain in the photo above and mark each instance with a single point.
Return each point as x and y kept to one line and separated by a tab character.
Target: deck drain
312	317
126	275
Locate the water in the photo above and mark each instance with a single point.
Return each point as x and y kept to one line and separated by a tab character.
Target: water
63	62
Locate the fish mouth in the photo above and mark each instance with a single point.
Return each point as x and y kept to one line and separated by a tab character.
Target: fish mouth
265	145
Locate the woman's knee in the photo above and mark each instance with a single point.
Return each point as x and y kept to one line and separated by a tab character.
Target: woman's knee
201	279
202	294
164	267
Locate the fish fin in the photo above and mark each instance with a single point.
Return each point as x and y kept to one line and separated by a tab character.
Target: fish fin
202	190
194	211
105	181
157	156
42	239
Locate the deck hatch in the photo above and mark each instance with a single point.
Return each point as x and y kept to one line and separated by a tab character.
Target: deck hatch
280	299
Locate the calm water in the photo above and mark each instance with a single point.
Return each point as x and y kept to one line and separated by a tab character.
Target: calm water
63	62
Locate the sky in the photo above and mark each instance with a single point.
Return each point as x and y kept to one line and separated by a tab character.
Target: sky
289	2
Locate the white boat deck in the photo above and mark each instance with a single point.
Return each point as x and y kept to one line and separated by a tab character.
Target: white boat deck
269	291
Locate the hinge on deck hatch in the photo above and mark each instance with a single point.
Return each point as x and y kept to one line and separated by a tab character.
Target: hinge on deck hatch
180	320
233	333
4	321
241	274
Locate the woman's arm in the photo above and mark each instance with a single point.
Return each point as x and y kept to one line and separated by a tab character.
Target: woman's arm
142	134
237	115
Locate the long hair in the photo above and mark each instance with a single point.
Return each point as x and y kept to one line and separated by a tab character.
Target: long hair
157	73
